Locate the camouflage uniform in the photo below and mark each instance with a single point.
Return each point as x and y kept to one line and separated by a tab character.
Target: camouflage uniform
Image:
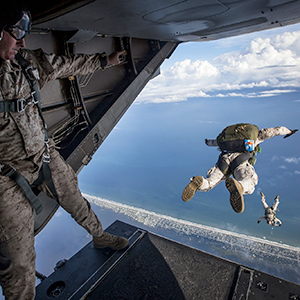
22	146
270	212
245	172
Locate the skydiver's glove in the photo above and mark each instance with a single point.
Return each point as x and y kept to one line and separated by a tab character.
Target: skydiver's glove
206	142
293	131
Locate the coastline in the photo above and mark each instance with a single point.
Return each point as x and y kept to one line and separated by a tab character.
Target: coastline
278	259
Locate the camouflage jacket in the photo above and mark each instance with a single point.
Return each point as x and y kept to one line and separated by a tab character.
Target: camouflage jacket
22	133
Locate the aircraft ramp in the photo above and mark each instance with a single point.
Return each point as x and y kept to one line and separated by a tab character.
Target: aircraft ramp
153	267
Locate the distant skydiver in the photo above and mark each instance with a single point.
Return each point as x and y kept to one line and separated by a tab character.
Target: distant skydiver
239	144
270	212
28	158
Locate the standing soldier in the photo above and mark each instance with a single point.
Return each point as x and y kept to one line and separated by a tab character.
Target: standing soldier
27	154
238	144
270	212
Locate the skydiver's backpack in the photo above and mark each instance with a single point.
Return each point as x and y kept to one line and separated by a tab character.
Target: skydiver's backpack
234	137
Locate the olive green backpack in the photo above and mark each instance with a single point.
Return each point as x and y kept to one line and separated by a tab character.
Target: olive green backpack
232	138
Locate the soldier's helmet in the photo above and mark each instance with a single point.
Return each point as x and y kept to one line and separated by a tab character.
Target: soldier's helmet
15	19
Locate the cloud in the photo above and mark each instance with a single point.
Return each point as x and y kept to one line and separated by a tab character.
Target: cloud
266	67
274	158
58	214
293	160
288	169
272	182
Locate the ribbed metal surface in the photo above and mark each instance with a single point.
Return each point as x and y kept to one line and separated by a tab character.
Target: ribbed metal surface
157	268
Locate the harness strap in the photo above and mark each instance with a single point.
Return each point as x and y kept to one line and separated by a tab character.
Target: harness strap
239	160
16	105
28	72
45	174
228	169
223	166
6	106
19	105
11	172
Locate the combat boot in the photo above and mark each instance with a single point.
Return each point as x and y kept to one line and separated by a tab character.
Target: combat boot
109	240
190	190
236	194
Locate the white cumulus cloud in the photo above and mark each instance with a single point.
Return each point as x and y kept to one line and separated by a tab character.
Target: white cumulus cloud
293	160
266	67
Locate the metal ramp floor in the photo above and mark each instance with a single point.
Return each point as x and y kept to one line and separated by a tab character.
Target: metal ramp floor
153	267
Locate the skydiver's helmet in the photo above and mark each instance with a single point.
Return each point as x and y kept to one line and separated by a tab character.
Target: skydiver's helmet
14	19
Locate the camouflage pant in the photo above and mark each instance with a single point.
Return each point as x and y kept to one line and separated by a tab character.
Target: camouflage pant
17	254
244	173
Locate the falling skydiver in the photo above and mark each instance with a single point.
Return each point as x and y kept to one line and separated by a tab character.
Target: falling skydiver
270	212
238	144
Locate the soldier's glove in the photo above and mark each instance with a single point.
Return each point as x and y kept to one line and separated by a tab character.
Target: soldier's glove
293	131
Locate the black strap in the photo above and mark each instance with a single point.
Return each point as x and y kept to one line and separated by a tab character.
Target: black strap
25	186
239	160
228	169
16	105
45	174
223	166
6	106
27	71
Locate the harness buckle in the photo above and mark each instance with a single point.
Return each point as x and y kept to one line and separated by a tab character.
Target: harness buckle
34	101
46	158
32	73
46	155
7	170
21	105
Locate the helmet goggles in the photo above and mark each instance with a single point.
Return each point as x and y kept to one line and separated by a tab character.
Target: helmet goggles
21	28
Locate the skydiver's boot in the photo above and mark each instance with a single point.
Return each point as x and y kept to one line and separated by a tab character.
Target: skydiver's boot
190	190
236	194
107	240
